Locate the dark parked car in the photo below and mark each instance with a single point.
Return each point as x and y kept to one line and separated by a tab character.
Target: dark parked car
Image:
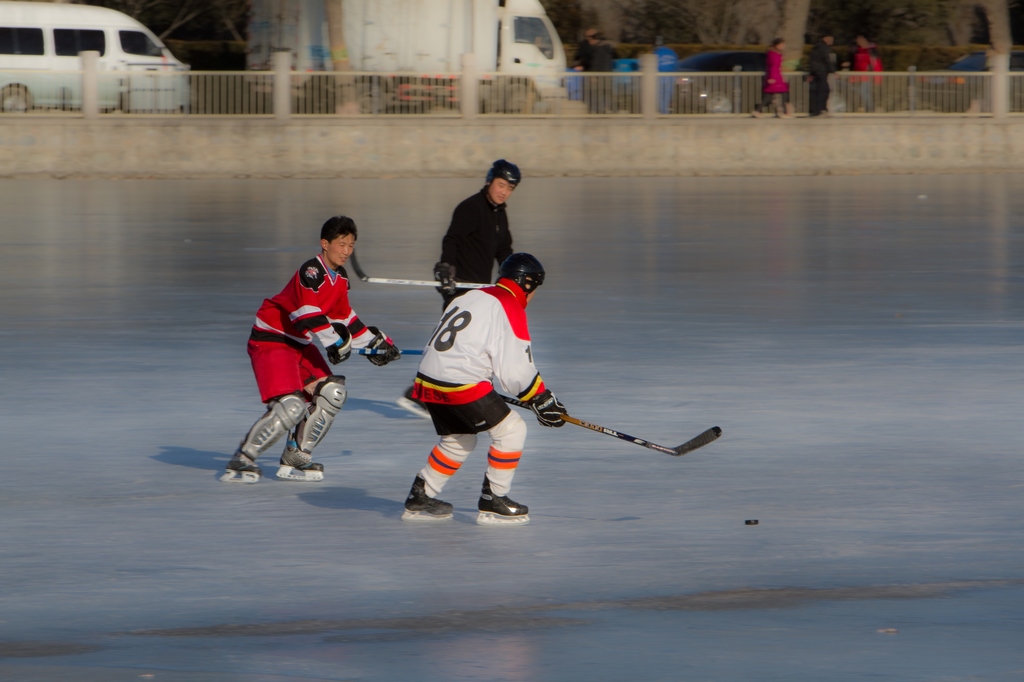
962	88
718	94
976	61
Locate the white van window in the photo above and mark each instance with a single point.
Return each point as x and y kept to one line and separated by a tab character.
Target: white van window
137	42
68	42
21	40
533	31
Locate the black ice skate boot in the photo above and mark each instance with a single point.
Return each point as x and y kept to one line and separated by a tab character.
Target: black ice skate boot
241	469
297	465
500	511
420	507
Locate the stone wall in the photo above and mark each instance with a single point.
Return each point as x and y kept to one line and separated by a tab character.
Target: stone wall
196	147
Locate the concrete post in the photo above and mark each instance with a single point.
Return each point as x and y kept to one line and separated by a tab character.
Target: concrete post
1000	85
649	86
469	90
90	84
281	62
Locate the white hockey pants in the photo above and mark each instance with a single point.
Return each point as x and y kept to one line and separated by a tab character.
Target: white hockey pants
507	440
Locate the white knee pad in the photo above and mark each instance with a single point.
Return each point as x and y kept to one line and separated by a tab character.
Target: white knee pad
282	415
328	399
510	434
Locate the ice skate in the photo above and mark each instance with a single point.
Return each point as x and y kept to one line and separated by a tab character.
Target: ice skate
420	507
297	465
241	469
410	404
500	511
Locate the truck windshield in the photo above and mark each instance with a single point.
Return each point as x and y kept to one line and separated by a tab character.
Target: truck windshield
137	42
533	31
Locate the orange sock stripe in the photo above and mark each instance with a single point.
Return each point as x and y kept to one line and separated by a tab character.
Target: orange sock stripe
442	464
503	460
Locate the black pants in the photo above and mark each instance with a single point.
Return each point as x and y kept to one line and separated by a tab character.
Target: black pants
819	94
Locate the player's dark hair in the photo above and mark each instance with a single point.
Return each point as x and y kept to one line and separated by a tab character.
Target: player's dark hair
338	226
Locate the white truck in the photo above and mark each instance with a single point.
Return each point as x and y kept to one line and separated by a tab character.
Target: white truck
419	44
39	60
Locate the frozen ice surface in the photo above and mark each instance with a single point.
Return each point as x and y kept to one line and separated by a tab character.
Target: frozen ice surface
861	347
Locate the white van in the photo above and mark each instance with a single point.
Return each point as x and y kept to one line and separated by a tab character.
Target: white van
39	46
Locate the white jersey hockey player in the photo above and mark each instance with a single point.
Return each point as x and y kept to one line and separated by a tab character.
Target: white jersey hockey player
482	342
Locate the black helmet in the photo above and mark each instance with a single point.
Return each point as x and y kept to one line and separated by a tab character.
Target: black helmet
524	270
506	171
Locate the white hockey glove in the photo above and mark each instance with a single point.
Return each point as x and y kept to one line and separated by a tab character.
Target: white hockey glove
548	410
342	348
381	342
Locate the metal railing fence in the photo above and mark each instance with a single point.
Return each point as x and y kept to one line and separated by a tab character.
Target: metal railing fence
573	95
911	92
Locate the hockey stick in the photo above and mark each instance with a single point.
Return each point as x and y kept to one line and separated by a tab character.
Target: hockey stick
377	351
408	282
701	440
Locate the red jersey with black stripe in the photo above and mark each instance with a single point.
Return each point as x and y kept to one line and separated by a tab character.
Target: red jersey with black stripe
313	299
482	342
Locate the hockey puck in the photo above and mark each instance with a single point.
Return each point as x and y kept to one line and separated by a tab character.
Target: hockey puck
751	522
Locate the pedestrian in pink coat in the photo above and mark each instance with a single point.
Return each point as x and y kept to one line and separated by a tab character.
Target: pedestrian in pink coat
775	91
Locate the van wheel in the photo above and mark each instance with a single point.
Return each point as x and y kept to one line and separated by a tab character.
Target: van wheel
15	99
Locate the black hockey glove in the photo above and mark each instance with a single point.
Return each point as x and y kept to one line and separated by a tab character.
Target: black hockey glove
382	343
445	274
548	410
340	350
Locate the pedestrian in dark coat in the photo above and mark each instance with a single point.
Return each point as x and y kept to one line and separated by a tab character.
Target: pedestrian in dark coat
820	64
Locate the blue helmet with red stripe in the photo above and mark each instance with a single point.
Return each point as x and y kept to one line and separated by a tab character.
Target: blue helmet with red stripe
524	270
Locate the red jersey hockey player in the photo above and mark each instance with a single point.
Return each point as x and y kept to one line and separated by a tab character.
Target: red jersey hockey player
301	394
482	337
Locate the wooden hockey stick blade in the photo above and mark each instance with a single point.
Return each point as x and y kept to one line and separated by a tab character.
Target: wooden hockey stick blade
375	351
709	436
361	274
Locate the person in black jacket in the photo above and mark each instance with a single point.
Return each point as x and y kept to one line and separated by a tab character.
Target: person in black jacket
599	56
820	63
477	238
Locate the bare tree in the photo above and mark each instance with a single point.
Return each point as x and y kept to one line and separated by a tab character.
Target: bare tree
794	26
232	11
133	8
336	34
757	21
172	15
706	21
187	11
997	12
962	17
609	16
